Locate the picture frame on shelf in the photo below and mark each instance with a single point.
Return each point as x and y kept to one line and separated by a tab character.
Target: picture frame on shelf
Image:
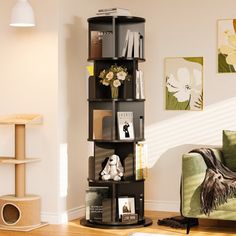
125	125
126	205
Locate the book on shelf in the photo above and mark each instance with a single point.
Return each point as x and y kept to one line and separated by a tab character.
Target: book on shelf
113	12
141	161
139	85
94	200
107	44
96	44
133	45
101	44
111	9
136	44
130	45
125	125
142	96
129	167
102	124
124	50
141	54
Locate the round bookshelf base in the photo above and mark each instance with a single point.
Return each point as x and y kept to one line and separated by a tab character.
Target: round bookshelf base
116	225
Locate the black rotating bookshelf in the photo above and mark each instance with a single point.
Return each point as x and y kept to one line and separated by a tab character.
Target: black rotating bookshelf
110	47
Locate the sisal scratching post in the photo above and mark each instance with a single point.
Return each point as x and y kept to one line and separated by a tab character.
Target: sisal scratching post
20	155
20	212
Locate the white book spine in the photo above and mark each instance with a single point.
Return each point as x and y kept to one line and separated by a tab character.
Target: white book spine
130	44
142	95
125	43
137	85
136	44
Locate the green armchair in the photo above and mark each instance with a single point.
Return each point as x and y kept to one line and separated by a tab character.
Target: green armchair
193	173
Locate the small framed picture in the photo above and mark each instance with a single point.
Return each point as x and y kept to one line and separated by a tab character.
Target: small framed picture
125	125
126	205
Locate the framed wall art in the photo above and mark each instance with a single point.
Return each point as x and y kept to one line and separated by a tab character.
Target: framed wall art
184	83
227	46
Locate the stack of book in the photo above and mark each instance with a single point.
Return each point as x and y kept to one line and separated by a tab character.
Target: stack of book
115	11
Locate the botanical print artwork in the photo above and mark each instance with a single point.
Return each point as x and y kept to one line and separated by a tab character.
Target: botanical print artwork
227	46
184	83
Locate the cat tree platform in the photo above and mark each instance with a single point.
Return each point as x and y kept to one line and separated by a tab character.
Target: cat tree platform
20	212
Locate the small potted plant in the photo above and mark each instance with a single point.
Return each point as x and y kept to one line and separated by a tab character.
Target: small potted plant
114	77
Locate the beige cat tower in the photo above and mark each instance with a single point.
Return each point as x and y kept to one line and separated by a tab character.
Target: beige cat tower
20	211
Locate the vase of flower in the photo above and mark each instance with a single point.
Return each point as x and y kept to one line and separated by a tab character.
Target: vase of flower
114	92
114	77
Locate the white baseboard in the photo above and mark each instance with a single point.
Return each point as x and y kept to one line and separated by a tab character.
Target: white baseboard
171	206
63	217
78	212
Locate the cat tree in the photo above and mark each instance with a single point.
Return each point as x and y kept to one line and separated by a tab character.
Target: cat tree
20	211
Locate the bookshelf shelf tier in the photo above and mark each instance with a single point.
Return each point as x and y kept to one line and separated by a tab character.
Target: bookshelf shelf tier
115	100
115	140
117	59
118	19
116	125
112	182
110	36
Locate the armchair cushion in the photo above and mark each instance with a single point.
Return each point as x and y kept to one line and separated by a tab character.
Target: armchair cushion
229	149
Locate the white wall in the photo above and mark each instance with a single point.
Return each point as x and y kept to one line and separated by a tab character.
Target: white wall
32	80
29	84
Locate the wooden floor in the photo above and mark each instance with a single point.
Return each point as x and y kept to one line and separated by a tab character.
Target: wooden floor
74	228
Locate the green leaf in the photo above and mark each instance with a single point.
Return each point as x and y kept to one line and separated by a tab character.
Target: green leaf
173	104
223	66
199	103
195	59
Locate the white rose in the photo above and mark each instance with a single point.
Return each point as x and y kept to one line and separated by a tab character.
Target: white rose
116	83
121	75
